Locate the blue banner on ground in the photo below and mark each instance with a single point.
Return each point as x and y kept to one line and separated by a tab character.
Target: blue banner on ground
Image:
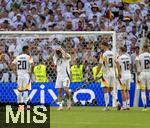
45	93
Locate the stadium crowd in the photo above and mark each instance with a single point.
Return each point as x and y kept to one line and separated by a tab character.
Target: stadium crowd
128	20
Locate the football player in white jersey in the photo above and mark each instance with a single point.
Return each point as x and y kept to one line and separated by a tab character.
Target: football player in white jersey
106	63
24	67
62	61
124	76
143	63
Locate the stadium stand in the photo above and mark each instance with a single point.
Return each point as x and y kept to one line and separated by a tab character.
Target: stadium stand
128	20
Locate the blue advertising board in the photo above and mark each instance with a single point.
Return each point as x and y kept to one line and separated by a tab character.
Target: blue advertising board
45	93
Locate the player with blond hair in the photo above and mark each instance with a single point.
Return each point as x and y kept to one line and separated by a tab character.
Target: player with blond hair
106	63
124	76
143	66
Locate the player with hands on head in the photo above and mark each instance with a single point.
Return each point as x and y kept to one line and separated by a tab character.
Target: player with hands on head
62	61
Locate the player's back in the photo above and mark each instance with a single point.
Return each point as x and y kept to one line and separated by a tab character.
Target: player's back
144	59
109	56
125	61
23	63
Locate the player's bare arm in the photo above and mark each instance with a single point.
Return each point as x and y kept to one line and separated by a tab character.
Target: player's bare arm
99	66
66	55
137	67
118	69
106	64
32	67
98	69
13	65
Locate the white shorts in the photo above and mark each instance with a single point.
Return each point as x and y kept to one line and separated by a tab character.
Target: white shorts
125	82
144	79
61	83
108	80
117	84
24	83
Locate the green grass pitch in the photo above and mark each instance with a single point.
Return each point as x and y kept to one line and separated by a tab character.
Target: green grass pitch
94	117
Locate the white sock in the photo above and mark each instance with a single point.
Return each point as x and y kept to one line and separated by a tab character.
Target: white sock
20	98
61	104
25	97
128	103
124	105
143	95
69	103
115	96
106	97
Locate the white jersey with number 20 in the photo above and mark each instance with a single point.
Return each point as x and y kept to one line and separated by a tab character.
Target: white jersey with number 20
23	63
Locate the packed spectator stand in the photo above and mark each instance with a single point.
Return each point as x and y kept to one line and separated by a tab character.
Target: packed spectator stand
130	21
